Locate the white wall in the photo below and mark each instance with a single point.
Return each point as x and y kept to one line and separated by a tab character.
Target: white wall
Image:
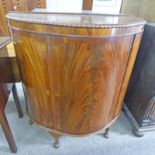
64	5
112	6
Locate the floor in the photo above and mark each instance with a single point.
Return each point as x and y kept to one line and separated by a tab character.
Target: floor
32	140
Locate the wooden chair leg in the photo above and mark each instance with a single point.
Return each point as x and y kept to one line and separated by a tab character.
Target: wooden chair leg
17	102
7	132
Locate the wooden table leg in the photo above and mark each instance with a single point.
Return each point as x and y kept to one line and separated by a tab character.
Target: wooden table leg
7	132
17	102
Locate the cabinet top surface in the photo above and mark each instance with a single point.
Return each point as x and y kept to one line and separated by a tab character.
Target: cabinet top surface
77	19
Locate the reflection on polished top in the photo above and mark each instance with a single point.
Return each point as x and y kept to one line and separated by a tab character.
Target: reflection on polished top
77	19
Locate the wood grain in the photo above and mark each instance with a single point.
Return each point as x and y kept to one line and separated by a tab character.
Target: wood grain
75	77
8	63
87	4
16	5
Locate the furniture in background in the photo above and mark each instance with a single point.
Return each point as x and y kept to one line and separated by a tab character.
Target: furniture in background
87	5
75	68
8	75
16	5
103	6
140	97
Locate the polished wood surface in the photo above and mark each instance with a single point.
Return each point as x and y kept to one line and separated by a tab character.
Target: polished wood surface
129	68
16	5
80	20
6	86
5	72
7	131
27	5
8	62
5	6
87	4
75	67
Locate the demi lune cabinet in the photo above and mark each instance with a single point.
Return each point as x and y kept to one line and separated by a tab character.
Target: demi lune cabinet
75	68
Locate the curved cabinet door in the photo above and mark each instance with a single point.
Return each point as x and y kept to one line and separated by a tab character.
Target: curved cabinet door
75	67
72	82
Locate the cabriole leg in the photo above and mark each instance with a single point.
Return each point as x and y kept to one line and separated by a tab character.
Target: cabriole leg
106	133
56	137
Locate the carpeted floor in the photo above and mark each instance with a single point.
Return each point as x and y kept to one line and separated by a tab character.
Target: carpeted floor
32	140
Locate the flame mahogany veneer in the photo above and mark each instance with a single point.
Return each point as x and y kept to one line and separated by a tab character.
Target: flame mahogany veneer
75	68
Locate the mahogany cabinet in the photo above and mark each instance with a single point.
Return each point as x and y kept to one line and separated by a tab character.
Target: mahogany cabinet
75	68
16	5
140	97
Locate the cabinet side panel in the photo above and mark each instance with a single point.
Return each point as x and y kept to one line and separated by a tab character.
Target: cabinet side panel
128	72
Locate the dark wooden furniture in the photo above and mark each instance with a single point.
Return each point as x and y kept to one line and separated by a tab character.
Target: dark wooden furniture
6	85
16	5
87	4
75	68
140	97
